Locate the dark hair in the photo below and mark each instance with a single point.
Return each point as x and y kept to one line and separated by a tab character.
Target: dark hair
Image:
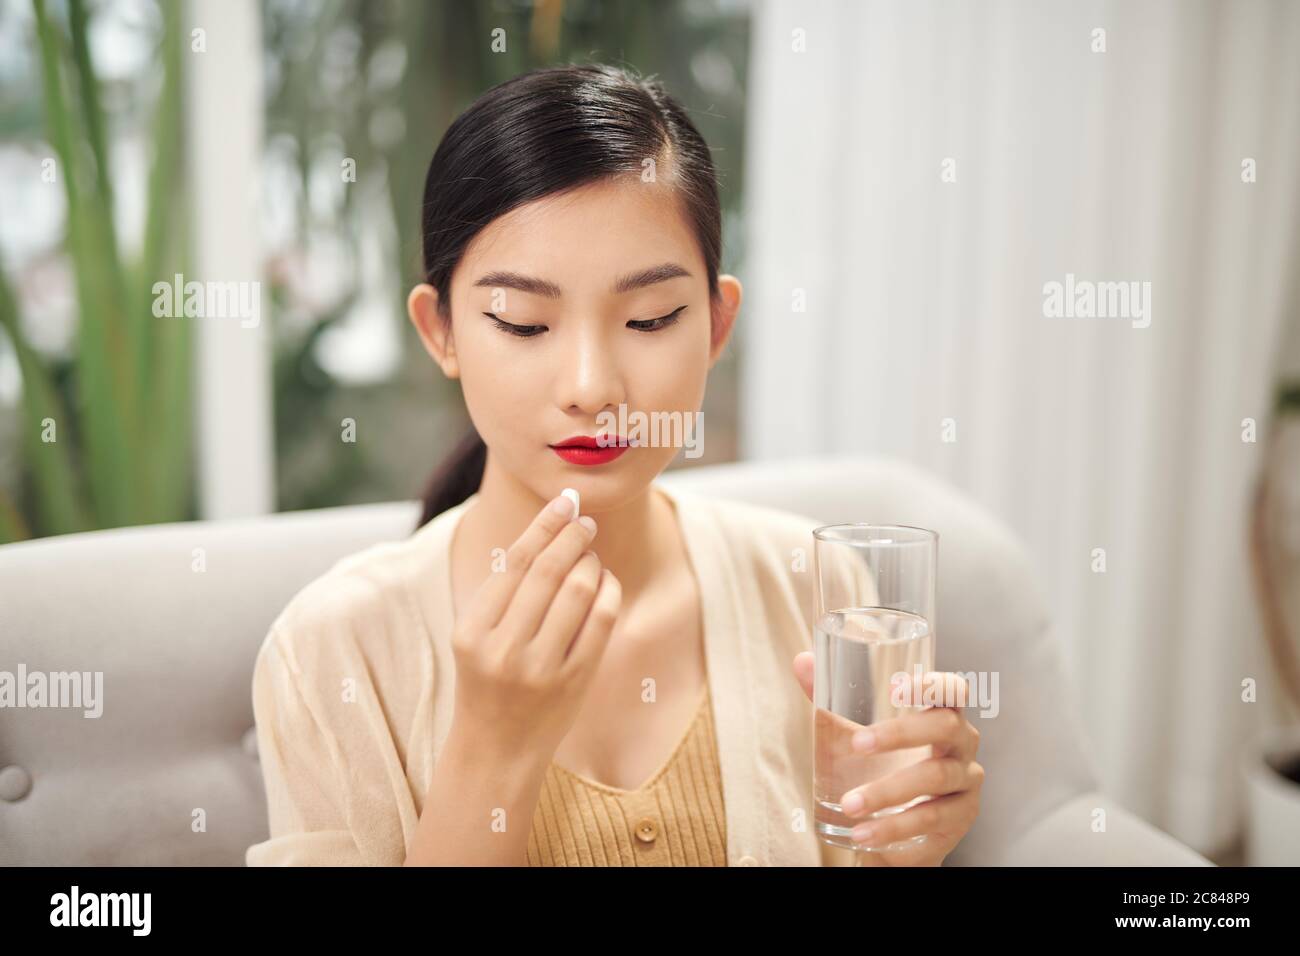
541	133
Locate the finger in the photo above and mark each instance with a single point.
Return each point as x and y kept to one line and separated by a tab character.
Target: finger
803	671
942	689
487	609
965	746
943	727
542	581
586	649
564	617
948	814
933	776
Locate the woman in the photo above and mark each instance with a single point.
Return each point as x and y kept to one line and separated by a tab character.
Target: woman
513	683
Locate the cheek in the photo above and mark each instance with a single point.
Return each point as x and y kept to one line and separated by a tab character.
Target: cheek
500	386
671	378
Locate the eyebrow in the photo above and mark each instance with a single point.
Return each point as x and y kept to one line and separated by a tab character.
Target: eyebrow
659	273
627	283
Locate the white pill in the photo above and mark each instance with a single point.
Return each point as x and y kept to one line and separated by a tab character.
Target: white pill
572	495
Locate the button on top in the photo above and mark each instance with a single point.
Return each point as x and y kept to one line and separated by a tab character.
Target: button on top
646	830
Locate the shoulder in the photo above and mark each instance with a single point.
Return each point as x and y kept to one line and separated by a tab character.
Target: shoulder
772	551
762	535
363	611
768	550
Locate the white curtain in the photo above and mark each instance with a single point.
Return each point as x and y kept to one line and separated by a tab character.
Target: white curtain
918	172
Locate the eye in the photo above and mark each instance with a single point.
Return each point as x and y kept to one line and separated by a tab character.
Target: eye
654	325
523	331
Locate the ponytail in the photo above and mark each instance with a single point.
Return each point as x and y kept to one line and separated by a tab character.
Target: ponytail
458	477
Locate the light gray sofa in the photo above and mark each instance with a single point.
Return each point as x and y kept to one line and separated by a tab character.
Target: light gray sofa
168	774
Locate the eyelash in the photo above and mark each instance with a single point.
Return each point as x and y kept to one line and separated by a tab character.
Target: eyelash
528	331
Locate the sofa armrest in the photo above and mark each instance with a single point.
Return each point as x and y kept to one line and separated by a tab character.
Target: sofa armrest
1065	837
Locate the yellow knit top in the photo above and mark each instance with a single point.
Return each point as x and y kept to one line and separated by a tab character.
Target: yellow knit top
676	818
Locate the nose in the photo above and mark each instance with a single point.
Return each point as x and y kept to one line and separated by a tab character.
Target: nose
588	377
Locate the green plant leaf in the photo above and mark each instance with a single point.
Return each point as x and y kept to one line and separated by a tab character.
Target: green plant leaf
104	386
164	351
58	500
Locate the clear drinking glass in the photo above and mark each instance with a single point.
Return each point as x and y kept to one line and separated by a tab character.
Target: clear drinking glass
875	619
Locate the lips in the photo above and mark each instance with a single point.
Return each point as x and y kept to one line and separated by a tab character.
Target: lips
591	441
587	449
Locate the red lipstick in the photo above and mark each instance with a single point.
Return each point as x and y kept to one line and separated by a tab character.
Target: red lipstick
587	450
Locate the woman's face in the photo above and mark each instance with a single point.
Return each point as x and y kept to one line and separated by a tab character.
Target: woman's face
606	290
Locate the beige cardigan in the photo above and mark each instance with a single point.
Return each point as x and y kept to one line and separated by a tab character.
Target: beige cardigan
353	688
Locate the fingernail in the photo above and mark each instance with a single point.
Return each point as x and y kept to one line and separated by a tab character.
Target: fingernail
864	833
572	495
853	803
564	505
588	522
864	740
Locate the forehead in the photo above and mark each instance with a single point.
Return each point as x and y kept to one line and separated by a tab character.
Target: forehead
582	237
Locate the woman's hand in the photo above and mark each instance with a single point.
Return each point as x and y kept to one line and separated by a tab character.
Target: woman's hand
528	644
950	777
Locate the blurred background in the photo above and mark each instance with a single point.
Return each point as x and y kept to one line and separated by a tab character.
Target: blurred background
900	181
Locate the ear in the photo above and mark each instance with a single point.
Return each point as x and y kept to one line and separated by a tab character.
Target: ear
422	307
724	311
